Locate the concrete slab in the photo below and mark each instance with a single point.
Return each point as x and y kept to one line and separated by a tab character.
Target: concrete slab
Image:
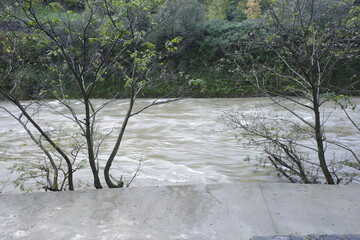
227	211
243	214
308	209
309	237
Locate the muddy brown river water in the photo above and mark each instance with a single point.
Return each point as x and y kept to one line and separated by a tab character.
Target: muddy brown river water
179	143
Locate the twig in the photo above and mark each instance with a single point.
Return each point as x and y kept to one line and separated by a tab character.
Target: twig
136	173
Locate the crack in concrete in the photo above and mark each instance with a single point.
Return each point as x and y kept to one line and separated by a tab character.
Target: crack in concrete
208	191
268	210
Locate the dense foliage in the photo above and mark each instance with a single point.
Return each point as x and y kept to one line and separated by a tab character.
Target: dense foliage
211	33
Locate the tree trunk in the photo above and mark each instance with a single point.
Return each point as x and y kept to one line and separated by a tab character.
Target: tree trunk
320	141
90	145
109	183
46	136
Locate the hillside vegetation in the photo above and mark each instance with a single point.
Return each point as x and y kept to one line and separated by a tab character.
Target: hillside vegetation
216	42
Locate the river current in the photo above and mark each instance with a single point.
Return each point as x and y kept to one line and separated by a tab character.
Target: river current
177	143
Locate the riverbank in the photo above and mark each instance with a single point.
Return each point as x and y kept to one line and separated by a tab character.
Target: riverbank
219	211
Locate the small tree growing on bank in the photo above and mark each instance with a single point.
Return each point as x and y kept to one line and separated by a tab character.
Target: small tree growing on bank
79	51
307	41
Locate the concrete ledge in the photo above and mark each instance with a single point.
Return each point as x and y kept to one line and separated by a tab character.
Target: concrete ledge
310	237
224	211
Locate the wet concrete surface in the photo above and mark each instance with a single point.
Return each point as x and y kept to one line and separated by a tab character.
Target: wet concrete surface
311	237
221	211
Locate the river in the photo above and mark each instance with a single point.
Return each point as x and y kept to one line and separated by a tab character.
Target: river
178	143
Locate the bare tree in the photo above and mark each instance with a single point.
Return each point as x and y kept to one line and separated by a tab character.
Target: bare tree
105	41
305	47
